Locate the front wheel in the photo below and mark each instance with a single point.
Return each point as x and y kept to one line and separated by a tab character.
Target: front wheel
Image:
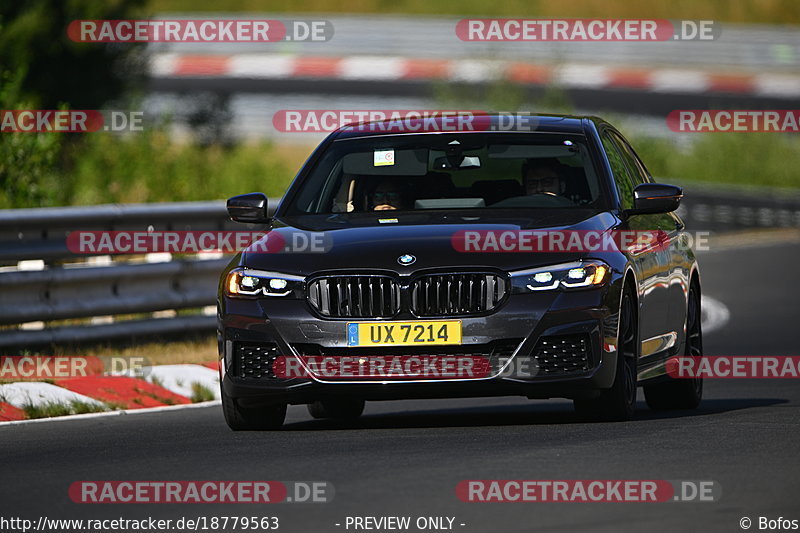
618	403
682	393
252	418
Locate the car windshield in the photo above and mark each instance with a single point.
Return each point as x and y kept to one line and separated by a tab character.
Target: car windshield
450	171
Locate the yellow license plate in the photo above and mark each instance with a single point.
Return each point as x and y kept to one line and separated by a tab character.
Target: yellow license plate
420	333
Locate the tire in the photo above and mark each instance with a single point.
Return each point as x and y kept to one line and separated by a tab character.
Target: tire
618	403
338	409
252	418
674	393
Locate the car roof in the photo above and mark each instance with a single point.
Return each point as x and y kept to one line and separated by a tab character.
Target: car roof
475	122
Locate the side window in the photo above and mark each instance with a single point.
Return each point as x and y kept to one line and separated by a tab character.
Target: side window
640	174
622	175
663	221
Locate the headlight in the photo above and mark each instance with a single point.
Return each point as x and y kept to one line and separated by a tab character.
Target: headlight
568	276
247	283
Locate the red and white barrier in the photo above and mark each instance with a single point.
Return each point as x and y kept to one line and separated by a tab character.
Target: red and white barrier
161	386
378	68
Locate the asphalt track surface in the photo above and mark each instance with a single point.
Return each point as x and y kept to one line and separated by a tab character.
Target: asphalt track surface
405	458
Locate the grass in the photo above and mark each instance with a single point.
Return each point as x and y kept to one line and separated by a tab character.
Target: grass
764	159
744	11
51	409
111	172
150	167
197	350
201	393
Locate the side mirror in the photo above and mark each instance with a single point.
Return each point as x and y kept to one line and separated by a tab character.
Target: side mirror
651	198
249	208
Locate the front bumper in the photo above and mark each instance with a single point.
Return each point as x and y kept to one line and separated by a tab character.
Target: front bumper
523	322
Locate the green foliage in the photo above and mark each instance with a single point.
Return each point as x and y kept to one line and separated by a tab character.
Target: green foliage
56	71
149	167
51	409
501	96
765	159
41	68
556	100
26	169
27	160
201	393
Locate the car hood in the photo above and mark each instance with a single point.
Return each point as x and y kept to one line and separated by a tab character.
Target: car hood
314	245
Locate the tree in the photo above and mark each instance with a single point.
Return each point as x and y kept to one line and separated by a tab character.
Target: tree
55	70
41	68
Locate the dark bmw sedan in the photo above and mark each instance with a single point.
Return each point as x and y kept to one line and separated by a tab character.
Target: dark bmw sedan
539	260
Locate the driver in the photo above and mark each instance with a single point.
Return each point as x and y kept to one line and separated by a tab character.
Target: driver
542	176
388	196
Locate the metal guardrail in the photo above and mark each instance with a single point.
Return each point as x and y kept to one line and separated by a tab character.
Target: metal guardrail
86	291
724	208
42	233
63	286
61	289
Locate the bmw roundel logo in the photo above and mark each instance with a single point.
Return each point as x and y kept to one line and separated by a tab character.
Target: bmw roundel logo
406	259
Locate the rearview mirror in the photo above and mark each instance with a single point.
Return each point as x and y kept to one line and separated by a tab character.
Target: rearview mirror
456	162
651	198
248	208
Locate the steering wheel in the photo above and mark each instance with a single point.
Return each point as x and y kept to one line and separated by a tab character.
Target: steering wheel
535	200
